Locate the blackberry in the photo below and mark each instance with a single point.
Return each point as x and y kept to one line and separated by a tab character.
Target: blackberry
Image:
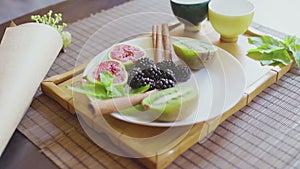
168	74
139	81
182	73
165	83
136	81
166	64
146	81
157	78
144	63
132	73
153	73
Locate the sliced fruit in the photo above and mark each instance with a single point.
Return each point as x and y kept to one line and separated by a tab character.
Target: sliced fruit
115	68
194	53
172	104
132	110
127	54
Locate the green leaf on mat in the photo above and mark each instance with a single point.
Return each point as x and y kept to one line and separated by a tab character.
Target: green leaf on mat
272	51
295	49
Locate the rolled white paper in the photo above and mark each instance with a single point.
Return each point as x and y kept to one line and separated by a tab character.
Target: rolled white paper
27	52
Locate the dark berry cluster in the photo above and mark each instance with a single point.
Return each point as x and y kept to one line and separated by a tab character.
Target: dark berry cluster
146	72
181	73
144	63
154	76
162	75
166	64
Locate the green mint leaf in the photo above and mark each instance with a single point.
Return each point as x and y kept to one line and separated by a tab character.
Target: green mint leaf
112	92
260	55
271	41
254	51
106	79
295	50
265	44
103	89
98	90
272	51
264	40
267	62
142	89
282	56
257	41
92	90
289	40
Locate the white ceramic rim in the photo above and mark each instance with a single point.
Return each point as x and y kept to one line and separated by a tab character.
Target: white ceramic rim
213	2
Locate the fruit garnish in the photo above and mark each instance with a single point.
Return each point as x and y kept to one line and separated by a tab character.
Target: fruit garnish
146	72
172	104
194	53
182	73
125	53
115	68
166	64
100	90
144	63
110	74
54	21
106	81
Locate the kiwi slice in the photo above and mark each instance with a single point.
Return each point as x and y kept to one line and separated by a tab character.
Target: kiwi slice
172	104
194	53
132	110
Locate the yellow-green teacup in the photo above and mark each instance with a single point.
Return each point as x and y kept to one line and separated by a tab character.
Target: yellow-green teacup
230	18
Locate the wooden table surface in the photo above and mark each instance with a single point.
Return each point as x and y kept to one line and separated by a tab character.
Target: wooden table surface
20	152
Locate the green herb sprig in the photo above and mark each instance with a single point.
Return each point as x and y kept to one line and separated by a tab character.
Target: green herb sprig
54	21
271	51
104	89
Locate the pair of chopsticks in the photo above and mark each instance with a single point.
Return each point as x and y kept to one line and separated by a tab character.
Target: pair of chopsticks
161	43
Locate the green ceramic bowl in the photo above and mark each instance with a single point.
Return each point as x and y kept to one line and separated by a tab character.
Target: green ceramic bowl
230	18
190	12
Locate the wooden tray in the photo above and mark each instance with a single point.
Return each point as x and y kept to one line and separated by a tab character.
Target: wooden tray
263	77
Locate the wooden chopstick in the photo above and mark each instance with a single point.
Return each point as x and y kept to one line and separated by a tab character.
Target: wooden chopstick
157	43
166	42
154	32
161	43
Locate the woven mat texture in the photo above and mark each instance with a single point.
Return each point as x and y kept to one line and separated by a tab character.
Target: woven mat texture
264	134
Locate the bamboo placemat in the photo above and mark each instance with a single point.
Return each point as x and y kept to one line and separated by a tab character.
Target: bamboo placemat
264	134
